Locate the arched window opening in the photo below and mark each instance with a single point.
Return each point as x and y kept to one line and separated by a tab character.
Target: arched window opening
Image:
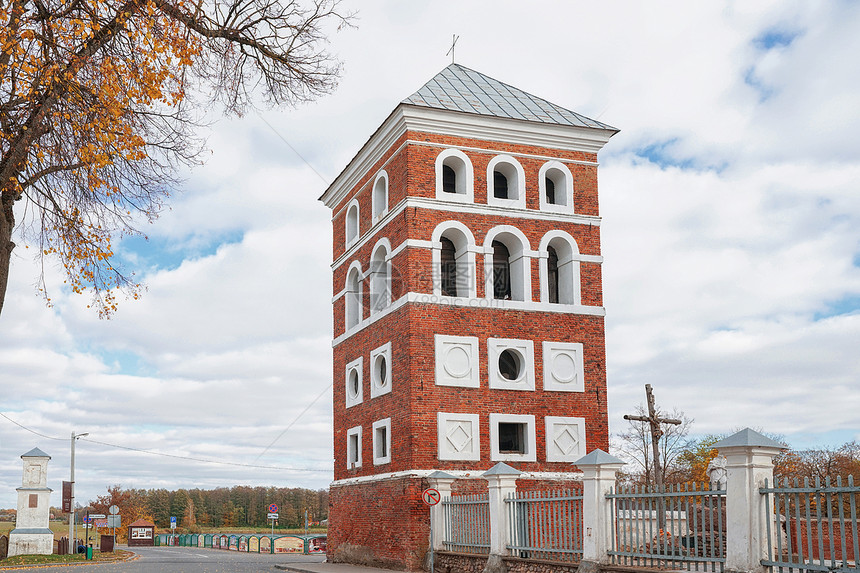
550	191
501	271
380	196
353	299
380	287
449	267
552	274
449	179
500	185
351	225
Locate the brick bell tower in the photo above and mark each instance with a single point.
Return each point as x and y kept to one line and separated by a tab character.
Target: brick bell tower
468	309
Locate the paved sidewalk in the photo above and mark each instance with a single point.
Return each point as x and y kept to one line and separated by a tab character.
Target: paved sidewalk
330	568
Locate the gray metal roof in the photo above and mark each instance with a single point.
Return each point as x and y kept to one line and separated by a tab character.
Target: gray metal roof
748	437
35	453
459	88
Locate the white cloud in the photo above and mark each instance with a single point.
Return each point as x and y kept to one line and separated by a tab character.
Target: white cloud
730	234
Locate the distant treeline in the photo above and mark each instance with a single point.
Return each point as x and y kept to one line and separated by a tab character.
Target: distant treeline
238	506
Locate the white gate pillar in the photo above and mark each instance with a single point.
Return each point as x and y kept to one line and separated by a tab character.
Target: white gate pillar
502	481
441	482
749	462
599	469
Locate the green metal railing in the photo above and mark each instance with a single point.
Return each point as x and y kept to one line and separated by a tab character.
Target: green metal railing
546	525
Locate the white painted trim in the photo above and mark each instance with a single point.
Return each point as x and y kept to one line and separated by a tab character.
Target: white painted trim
425	298
567	188
553	451
530	454
465	182
569	271
386	425
442	437
355	430
520	263
380	279
356	366
458	474
464	257
443	346
493	151
464	208
378	212
349	238
376	389
526	349
407	117
509	167
353	270
574	350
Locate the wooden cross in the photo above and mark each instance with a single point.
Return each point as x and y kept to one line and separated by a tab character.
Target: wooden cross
451	51
656	431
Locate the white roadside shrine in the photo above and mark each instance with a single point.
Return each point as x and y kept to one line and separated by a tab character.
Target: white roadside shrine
32	535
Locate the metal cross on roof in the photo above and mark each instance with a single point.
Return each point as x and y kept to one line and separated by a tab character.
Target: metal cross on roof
451	51
656	431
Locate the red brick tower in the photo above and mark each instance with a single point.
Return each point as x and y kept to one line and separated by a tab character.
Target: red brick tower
468	309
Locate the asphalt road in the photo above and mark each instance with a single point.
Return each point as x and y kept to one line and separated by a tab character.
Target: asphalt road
189	560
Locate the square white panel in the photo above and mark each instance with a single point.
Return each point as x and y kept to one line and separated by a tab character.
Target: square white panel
458	436
380	370
382	442
528	439
562	367
457	361
565	439
511	364
354	382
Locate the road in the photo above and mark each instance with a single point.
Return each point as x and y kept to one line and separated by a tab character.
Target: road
188	560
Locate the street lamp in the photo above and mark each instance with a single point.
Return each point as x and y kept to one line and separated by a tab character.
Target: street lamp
72	544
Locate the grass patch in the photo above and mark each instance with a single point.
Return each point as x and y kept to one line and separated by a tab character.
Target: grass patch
98	557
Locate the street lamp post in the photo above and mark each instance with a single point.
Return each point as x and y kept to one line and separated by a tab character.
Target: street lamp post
72	544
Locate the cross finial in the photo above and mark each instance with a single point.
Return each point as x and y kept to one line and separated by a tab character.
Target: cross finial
453	43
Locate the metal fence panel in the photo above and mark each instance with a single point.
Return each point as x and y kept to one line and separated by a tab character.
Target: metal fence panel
546	525
467	523
818	526
676	526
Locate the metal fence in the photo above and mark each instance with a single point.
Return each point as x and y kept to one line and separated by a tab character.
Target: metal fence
467	523
546	525
677	526
818	526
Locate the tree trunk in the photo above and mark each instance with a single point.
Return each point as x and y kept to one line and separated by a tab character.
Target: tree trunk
7	223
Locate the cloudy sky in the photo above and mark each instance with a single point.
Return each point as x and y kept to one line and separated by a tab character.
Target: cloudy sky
731	235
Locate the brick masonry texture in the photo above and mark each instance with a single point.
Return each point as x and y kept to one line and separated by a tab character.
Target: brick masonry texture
383	522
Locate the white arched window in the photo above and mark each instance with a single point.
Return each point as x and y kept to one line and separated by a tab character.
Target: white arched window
453	260
379	198
454	177
506	182
352	297
507	264
555	184
352	229
559	269
380	276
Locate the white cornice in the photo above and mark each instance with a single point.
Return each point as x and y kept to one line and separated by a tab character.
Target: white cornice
459	474
471	208
459	124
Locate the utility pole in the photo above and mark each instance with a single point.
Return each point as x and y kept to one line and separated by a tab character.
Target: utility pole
72	543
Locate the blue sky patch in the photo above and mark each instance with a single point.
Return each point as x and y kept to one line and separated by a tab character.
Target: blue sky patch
845	305
129	363
775	38
660	153
161	253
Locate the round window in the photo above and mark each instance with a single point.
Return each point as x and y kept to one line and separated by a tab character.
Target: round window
511	364
353	383
380	371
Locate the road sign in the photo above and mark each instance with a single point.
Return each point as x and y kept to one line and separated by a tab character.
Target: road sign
114	521
272	516
431	496
113	510
97	516
172	522
273	508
